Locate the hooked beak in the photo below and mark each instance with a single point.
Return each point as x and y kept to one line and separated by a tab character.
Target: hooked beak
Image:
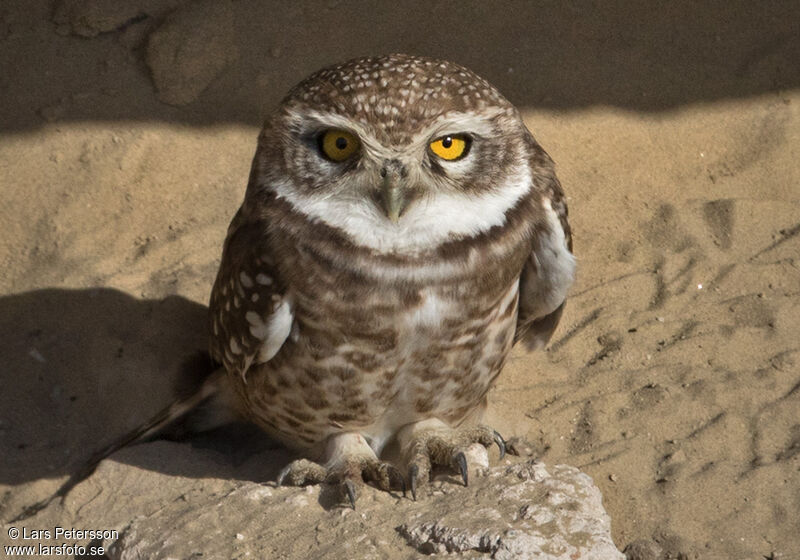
394	191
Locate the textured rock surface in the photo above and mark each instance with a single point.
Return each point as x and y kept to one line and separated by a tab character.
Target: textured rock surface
522	510
170	500
191	48
540	512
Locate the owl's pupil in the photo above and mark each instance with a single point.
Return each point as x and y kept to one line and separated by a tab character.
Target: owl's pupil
341	143
447	142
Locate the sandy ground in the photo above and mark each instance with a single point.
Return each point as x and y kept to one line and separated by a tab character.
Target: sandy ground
673	380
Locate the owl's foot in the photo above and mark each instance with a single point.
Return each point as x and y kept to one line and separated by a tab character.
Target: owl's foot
431	443
351	463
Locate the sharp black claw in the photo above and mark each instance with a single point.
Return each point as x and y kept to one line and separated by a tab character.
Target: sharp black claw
498	439
413	473
461	460
351	492
282	475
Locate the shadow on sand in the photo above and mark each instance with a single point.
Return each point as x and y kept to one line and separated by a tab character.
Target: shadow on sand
82	367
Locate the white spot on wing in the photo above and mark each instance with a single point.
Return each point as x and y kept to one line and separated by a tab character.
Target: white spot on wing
272	330
246	281
257	326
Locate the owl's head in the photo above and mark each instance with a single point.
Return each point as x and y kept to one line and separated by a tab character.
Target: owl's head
399	153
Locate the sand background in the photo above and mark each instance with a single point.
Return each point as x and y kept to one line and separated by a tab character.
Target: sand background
674	378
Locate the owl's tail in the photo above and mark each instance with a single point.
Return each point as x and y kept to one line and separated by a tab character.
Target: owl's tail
212	386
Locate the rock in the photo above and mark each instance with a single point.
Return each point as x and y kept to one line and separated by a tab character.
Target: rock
537	513
170	500
89	18
190	49
522	511
477	459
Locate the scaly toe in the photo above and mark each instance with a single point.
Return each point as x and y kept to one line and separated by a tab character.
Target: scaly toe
396	479
349	462
354	472
443	447
301	473
384	475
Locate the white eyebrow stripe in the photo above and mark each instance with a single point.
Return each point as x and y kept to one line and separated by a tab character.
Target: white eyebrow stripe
325	119
457	122
453	122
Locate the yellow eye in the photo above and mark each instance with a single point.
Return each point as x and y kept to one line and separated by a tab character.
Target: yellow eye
338	145
450	147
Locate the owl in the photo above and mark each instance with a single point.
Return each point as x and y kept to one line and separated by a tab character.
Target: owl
400	231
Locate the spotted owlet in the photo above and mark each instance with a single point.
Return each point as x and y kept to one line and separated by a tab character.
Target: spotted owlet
401	230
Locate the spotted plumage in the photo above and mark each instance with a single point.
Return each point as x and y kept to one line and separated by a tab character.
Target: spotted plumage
379	296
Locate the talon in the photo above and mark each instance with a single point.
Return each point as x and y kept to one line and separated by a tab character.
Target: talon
413	473
461	460
501	444
283	474
351	492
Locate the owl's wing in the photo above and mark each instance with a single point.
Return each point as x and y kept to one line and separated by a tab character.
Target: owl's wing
250	315
549	271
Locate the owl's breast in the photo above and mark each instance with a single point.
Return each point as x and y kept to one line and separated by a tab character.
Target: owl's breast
375	353
411	353
453	348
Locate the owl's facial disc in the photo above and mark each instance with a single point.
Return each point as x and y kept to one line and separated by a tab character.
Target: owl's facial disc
343	149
